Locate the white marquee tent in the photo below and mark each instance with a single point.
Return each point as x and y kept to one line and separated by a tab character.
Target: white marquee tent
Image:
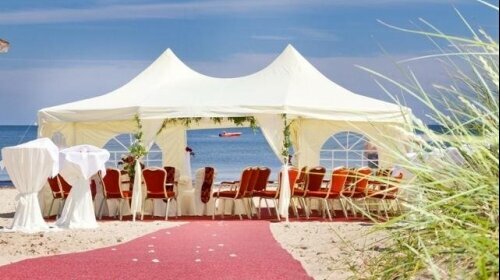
168	89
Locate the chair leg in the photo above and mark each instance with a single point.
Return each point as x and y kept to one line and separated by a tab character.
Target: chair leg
258	212
120	208
99	213
142	210
342	204
398	206
294	205
166	211
61	207
304	204
268	209
327	209
50	208
234	208
277	210
215	208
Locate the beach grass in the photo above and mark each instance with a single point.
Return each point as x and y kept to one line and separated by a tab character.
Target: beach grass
449	229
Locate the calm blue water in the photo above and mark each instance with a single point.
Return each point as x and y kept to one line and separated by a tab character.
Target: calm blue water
228	155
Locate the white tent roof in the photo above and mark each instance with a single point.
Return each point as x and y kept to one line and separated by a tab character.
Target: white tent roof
170	89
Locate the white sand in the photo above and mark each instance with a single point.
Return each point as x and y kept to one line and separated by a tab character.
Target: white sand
18	246
329	250
326	250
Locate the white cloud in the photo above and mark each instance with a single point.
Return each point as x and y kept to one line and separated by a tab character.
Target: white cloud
183	10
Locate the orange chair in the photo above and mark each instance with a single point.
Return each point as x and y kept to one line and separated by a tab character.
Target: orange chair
157	188
236	192
111	186
314	182
293	174
386	189
336	187
260	185
58	192
358	186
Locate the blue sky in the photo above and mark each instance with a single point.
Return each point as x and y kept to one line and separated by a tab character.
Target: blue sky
63	51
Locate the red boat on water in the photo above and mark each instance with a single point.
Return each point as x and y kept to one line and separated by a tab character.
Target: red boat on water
229	134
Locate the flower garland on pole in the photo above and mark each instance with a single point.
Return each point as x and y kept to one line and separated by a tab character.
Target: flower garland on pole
137	150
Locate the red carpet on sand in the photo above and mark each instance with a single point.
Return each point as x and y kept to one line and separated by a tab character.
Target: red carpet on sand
197	250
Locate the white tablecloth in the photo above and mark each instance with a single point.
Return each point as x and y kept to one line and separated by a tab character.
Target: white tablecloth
29	165
78	165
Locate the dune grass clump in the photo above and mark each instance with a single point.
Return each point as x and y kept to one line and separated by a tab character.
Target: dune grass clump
450	226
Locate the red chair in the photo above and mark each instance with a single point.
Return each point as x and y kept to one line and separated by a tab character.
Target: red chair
236	192
171	182
206	187
157	188
386	189
58	192
111	186
260	185
314	182
358	186
265	194
334	191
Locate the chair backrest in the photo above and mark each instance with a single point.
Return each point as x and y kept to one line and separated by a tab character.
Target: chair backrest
155	179
246	175
93	188
338	180
301	180
253	180
362	176
392	187
293	176
262	179
315	178
206	186
54	186
65	186
170	180
111	182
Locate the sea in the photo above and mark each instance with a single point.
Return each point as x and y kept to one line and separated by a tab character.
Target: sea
229	155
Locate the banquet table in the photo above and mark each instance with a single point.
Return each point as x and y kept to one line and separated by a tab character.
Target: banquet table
29	165
78	165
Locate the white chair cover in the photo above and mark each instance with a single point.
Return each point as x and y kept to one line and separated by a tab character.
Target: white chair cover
199	206
29	165
78	164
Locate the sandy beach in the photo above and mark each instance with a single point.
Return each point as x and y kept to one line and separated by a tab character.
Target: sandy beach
326	250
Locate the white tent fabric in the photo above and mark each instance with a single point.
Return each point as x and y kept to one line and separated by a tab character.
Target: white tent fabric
78	165
29	165
169	89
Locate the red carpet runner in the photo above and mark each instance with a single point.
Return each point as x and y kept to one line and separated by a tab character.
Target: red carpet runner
197	250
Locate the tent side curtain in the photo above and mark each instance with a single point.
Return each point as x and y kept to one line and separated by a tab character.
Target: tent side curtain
309	136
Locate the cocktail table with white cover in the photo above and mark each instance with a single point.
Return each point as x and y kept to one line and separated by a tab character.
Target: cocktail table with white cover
29	165
78	164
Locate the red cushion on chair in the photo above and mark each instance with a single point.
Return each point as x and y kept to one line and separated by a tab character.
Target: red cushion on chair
353	194
228	194
298	192
319	194
160	195
267	194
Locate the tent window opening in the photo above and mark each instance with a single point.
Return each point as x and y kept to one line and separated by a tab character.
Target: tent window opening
118	147
348	149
